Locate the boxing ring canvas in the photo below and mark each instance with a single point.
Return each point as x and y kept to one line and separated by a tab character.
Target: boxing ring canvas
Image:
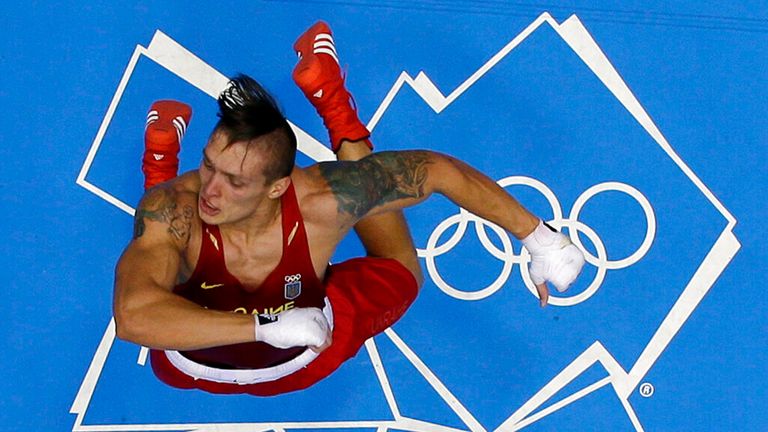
638	129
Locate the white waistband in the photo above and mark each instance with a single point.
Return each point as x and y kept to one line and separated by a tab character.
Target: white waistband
246	376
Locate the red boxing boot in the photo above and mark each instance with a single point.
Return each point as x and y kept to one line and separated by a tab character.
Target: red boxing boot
318	75
167	122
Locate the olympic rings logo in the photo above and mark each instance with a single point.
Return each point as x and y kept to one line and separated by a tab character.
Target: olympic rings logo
293	278
508	256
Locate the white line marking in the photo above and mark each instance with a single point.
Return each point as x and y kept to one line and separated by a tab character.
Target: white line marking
143	353
702	281
594	354
310	146
406	424
180	61
632	416
110	112
83	398
435	382
578	38
381	374
107	197
561	404
427	90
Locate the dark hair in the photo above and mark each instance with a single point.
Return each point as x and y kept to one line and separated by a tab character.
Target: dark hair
248	113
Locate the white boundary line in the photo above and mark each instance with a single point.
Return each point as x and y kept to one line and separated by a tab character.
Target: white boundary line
435	382
83	398
378	366
561	404
81	178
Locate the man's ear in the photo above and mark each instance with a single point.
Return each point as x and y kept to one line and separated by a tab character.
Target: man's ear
278	187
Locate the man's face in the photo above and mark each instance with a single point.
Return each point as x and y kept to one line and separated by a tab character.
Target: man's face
232	182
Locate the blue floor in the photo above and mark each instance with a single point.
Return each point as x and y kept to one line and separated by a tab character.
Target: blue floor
640	129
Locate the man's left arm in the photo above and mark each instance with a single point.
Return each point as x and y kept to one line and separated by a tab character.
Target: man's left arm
393	180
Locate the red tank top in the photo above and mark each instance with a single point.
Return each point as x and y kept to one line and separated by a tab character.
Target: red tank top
293	283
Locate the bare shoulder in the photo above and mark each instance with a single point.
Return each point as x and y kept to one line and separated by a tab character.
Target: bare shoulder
167	213
316	200
187	182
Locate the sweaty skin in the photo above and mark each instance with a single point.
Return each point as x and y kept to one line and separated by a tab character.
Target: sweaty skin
230	190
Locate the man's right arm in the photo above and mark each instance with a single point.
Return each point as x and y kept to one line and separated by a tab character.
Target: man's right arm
389	181
146	310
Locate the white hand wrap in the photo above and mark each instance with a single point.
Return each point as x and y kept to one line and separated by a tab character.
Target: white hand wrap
553	257
292	328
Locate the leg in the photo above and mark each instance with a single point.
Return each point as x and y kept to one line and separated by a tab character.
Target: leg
318	75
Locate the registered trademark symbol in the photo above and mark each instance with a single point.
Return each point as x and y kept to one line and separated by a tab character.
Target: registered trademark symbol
646	390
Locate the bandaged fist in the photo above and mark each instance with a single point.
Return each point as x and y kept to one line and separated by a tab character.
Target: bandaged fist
292	328
554	258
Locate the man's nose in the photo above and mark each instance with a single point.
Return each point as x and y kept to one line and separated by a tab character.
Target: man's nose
213	187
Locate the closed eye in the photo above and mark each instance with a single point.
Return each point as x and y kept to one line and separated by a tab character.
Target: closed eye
236	183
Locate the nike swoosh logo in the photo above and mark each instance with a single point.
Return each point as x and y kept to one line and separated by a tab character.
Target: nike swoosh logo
206	286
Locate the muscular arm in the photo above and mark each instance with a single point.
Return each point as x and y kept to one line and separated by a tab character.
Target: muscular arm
393	180
146	310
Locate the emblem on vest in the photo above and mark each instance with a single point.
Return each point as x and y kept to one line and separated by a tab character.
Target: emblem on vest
292	286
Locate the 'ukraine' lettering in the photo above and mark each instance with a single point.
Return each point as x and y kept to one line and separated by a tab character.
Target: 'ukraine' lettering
267	311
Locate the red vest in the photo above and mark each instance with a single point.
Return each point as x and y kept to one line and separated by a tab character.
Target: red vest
291	284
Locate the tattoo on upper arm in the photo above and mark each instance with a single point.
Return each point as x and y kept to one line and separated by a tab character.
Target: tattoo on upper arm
376	180
160	205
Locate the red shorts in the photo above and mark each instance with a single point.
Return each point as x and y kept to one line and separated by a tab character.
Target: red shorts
367	295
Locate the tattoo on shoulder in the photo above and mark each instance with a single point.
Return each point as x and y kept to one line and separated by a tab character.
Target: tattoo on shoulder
377	179
159	205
